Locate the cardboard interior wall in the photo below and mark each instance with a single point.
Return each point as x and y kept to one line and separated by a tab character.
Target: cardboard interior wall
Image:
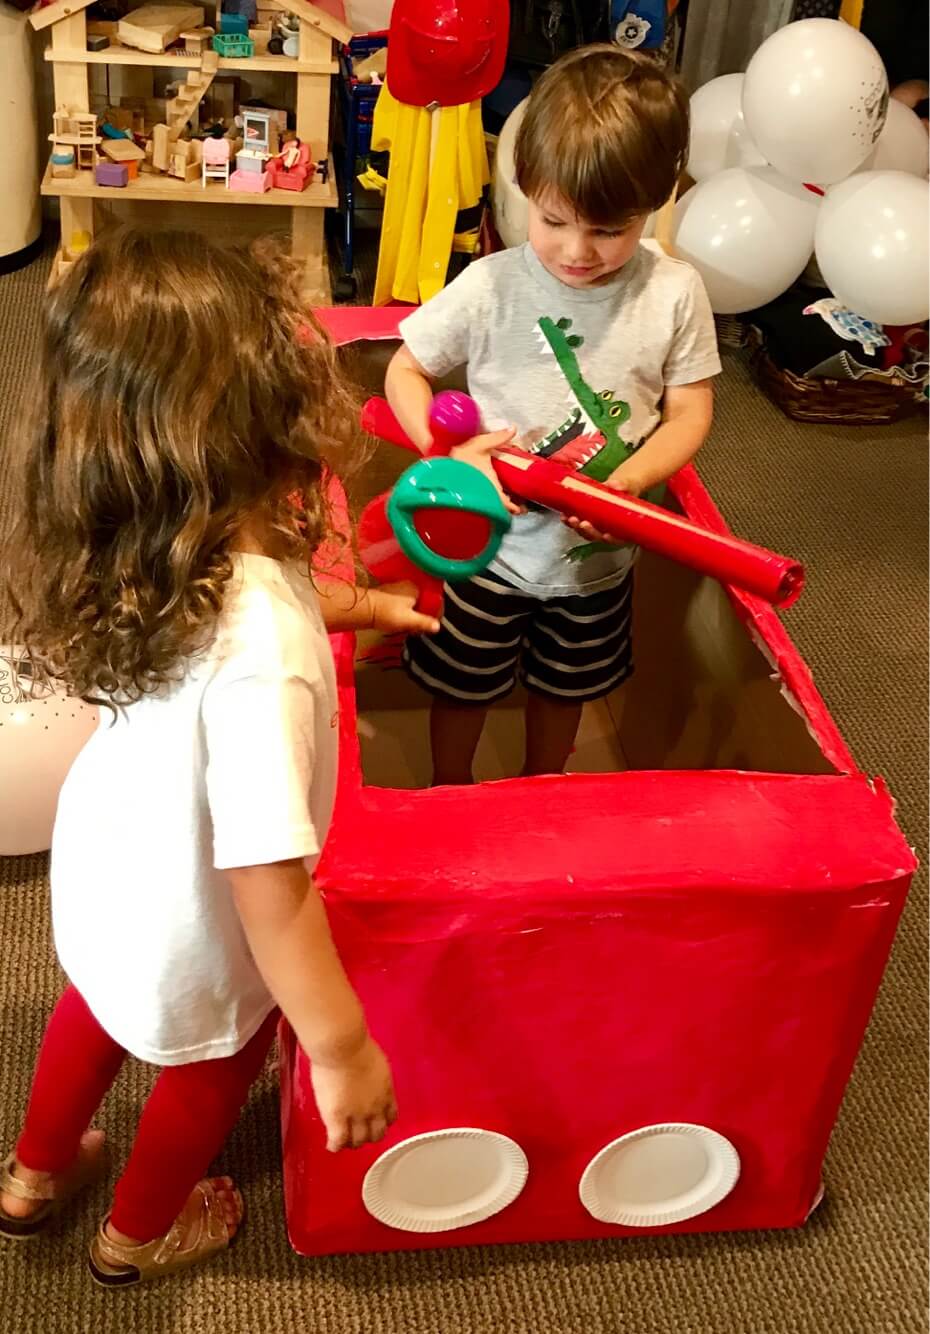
565	961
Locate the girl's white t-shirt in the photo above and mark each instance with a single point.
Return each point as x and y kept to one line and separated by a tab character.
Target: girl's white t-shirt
233	766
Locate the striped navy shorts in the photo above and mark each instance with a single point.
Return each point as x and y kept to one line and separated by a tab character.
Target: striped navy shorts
574	648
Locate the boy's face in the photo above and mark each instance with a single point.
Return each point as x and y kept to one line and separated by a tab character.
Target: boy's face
573	250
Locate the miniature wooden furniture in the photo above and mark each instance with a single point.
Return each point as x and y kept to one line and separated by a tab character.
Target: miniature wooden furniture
291	169
76	130
62	161
250	182
215	161
126	152
196	41
183	107
312	69
154	27
184	159
111	173
233	44
251	176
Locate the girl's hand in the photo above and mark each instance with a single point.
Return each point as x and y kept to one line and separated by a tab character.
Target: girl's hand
394	611
355	1098
478	451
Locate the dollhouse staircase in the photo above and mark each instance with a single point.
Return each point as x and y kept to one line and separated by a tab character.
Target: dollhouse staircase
191	93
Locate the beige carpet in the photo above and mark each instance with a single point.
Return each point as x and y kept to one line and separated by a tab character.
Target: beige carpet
852	504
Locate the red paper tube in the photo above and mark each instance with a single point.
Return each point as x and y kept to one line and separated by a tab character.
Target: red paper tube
777	579
379	420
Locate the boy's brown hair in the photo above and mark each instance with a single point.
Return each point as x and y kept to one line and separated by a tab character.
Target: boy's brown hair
607	130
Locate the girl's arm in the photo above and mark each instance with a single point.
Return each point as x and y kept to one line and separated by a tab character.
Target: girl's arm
409	391
288	933
390	608
687	413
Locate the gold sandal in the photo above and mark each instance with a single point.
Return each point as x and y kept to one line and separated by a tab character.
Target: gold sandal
54	1195
113	1265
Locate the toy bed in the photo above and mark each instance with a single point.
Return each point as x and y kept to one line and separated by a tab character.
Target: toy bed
625	999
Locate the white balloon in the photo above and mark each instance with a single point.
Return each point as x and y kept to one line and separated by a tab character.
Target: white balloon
749	232
40	735
719	137
872	246
814	98
903	144
511	211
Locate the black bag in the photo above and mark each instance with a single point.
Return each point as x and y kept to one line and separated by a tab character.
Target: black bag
543	30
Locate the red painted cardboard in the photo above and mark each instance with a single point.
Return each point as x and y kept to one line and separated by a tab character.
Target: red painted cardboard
567	959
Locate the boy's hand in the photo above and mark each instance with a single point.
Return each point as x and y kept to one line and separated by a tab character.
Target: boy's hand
617	481
627	482
478	451
355	1098
394	611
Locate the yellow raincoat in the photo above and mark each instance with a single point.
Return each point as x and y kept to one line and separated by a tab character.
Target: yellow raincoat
422	201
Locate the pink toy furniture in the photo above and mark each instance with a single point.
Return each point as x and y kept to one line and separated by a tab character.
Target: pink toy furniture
613	1001
298	175
250	182
216	153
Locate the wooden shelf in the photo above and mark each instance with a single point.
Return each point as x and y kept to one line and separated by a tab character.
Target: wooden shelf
169	189
124	55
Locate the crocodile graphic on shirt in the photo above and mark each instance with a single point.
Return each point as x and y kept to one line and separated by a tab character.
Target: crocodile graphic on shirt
589	439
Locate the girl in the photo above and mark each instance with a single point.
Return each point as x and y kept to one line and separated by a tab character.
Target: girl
187	398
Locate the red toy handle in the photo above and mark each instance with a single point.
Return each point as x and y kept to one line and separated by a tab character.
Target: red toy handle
430	600
777	579
378	420
384	559
453	419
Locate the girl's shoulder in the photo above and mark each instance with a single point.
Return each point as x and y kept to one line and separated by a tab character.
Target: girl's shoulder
270	625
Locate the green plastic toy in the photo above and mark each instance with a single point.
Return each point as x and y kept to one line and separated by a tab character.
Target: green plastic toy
448	518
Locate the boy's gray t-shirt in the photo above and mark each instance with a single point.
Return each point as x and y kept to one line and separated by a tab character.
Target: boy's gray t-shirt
562	364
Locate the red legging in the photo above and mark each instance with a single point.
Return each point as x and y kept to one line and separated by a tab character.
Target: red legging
185	1122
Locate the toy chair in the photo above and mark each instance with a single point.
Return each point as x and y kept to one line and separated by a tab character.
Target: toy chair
292	169
216	154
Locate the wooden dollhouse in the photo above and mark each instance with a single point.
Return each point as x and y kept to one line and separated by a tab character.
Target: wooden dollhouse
172	171
74	141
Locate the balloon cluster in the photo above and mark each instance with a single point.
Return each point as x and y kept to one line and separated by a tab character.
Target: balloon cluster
805	154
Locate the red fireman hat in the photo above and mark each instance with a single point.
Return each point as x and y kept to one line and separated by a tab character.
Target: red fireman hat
446	51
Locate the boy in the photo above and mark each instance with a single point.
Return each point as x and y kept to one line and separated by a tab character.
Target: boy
599	352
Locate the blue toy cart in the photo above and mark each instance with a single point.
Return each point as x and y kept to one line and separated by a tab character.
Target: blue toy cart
358	110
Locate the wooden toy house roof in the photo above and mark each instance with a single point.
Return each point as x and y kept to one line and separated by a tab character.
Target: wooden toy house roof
314	15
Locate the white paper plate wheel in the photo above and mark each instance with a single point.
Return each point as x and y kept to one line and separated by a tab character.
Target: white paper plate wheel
445	1179
659	1174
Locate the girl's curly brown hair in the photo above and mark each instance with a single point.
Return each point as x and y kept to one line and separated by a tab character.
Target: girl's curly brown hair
183	389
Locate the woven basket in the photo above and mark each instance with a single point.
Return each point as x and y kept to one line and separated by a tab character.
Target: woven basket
839	402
